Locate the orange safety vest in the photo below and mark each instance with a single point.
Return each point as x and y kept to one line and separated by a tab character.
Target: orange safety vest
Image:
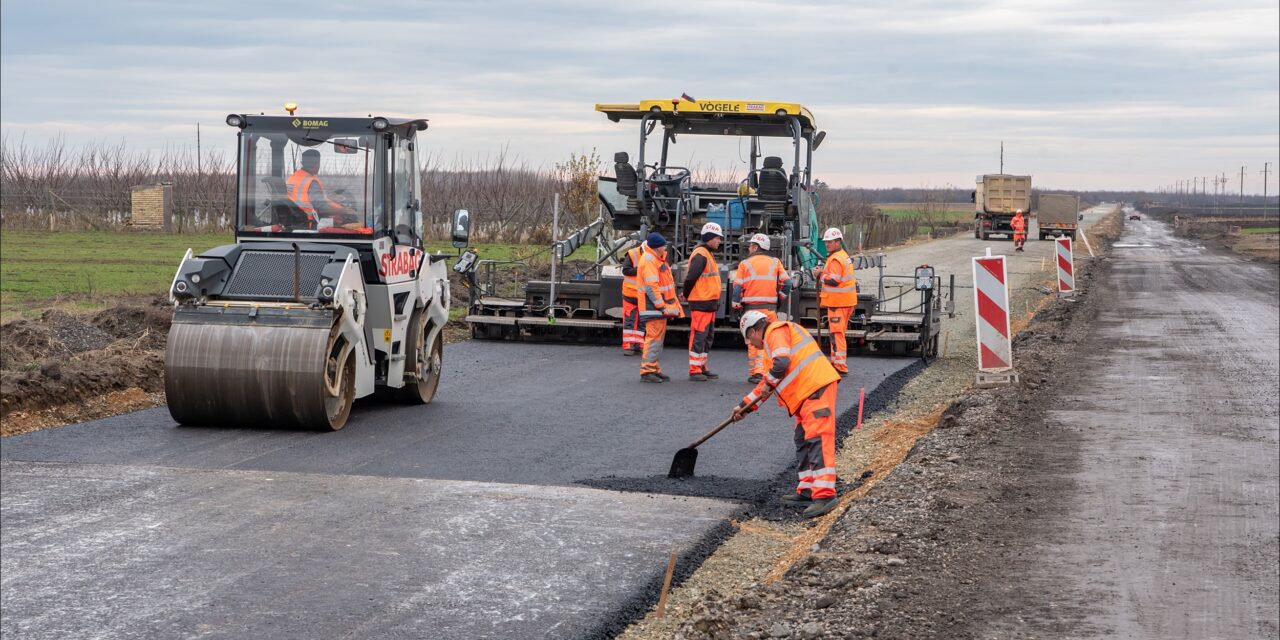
298	188
844	293
708	285
809	371
759	278
631	284
1019	224
657	290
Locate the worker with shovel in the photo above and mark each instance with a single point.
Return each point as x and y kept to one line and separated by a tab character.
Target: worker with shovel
806	384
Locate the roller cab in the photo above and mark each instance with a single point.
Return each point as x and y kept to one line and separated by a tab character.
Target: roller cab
327	294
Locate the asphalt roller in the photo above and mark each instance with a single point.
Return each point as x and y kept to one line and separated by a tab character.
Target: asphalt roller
327	294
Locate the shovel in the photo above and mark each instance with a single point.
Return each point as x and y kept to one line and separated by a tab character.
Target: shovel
682	465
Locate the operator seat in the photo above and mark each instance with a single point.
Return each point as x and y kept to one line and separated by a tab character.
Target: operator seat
773	186
626	174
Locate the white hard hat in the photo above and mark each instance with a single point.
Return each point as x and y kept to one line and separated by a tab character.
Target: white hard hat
760	239
832	234
1018	211
712	227
750	319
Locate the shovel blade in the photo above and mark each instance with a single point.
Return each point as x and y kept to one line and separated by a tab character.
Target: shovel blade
682	465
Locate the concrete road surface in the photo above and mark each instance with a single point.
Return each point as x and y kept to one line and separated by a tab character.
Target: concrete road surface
1172	525
451	520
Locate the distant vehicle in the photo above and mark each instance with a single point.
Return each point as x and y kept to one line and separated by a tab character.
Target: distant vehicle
1135	216
995	198
1057	215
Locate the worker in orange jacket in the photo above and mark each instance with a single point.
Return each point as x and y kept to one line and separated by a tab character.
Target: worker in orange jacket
760	284
806	386
657	302
703	291
1019	225
306	190
632	332
838	296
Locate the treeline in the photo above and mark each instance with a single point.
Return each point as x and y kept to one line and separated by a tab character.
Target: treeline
60	187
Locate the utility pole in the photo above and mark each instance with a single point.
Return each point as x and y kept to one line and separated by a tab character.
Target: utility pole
199	160
1002	157
1265	166
1242	188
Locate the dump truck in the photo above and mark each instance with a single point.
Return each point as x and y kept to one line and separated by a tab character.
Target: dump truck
1058	214
996	197
647	191
327	294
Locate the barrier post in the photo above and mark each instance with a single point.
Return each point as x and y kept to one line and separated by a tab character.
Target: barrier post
1066	267
991	306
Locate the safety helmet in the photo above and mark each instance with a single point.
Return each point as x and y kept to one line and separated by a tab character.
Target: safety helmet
832	234
712	227
760	239
750	319
1018	211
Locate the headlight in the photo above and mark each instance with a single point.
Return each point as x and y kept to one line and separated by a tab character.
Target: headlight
181	287
380	124
326	292
195	278
235	121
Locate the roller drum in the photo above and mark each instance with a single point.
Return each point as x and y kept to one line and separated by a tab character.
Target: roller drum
248	373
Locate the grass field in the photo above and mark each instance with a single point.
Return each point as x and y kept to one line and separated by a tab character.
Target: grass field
1256	230
946	215
89	268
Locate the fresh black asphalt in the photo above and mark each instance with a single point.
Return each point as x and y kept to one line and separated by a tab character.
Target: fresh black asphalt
402	521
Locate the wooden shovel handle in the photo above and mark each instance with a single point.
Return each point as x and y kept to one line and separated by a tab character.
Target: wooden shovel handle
718	429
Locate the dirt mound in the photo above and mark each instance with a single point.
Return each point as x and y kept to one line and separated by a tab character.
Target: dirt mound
56	333
62	358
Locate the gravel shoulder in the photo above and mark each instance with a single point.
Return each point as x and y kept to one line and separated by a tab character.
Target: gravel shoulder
830	577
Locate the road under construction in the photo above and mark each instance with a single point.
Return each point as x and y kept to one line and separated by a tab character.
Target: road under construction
475	516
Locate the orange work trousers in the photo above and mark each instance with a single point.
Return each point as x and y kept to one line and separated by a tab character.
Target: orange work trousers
755	357
632	333
815	438
655	331
838	322
701	334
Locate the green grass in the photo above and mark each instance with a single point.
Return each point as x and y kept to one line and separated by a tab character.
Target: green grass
942	216
1253	230
38	267
46	265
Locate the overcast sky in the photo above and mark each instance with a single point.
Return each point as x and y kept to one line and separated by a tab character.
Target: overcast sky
1084	93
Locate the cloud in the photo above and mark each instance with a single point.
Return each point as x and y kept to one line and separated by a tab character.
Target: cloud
909	91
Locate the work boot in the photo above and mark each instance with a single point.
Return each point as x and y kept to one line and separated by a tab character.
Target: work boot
820	507
755	378
710	376
651	377
698	377
797	498
665	377
630	352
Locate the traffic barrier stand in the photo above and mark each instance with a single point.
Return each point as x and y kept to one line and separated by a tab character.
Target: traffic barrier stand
1066	267
991	302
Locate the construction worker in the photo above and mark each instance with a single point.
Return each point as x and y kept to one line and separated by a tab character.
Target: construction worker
632	332
1019	225
307	191
839	295
760	284
657	302
702	290
806	385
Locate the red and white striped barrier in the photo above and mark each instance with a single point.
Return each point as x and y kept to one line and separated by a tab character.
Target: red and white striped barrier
1066	267
991	300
